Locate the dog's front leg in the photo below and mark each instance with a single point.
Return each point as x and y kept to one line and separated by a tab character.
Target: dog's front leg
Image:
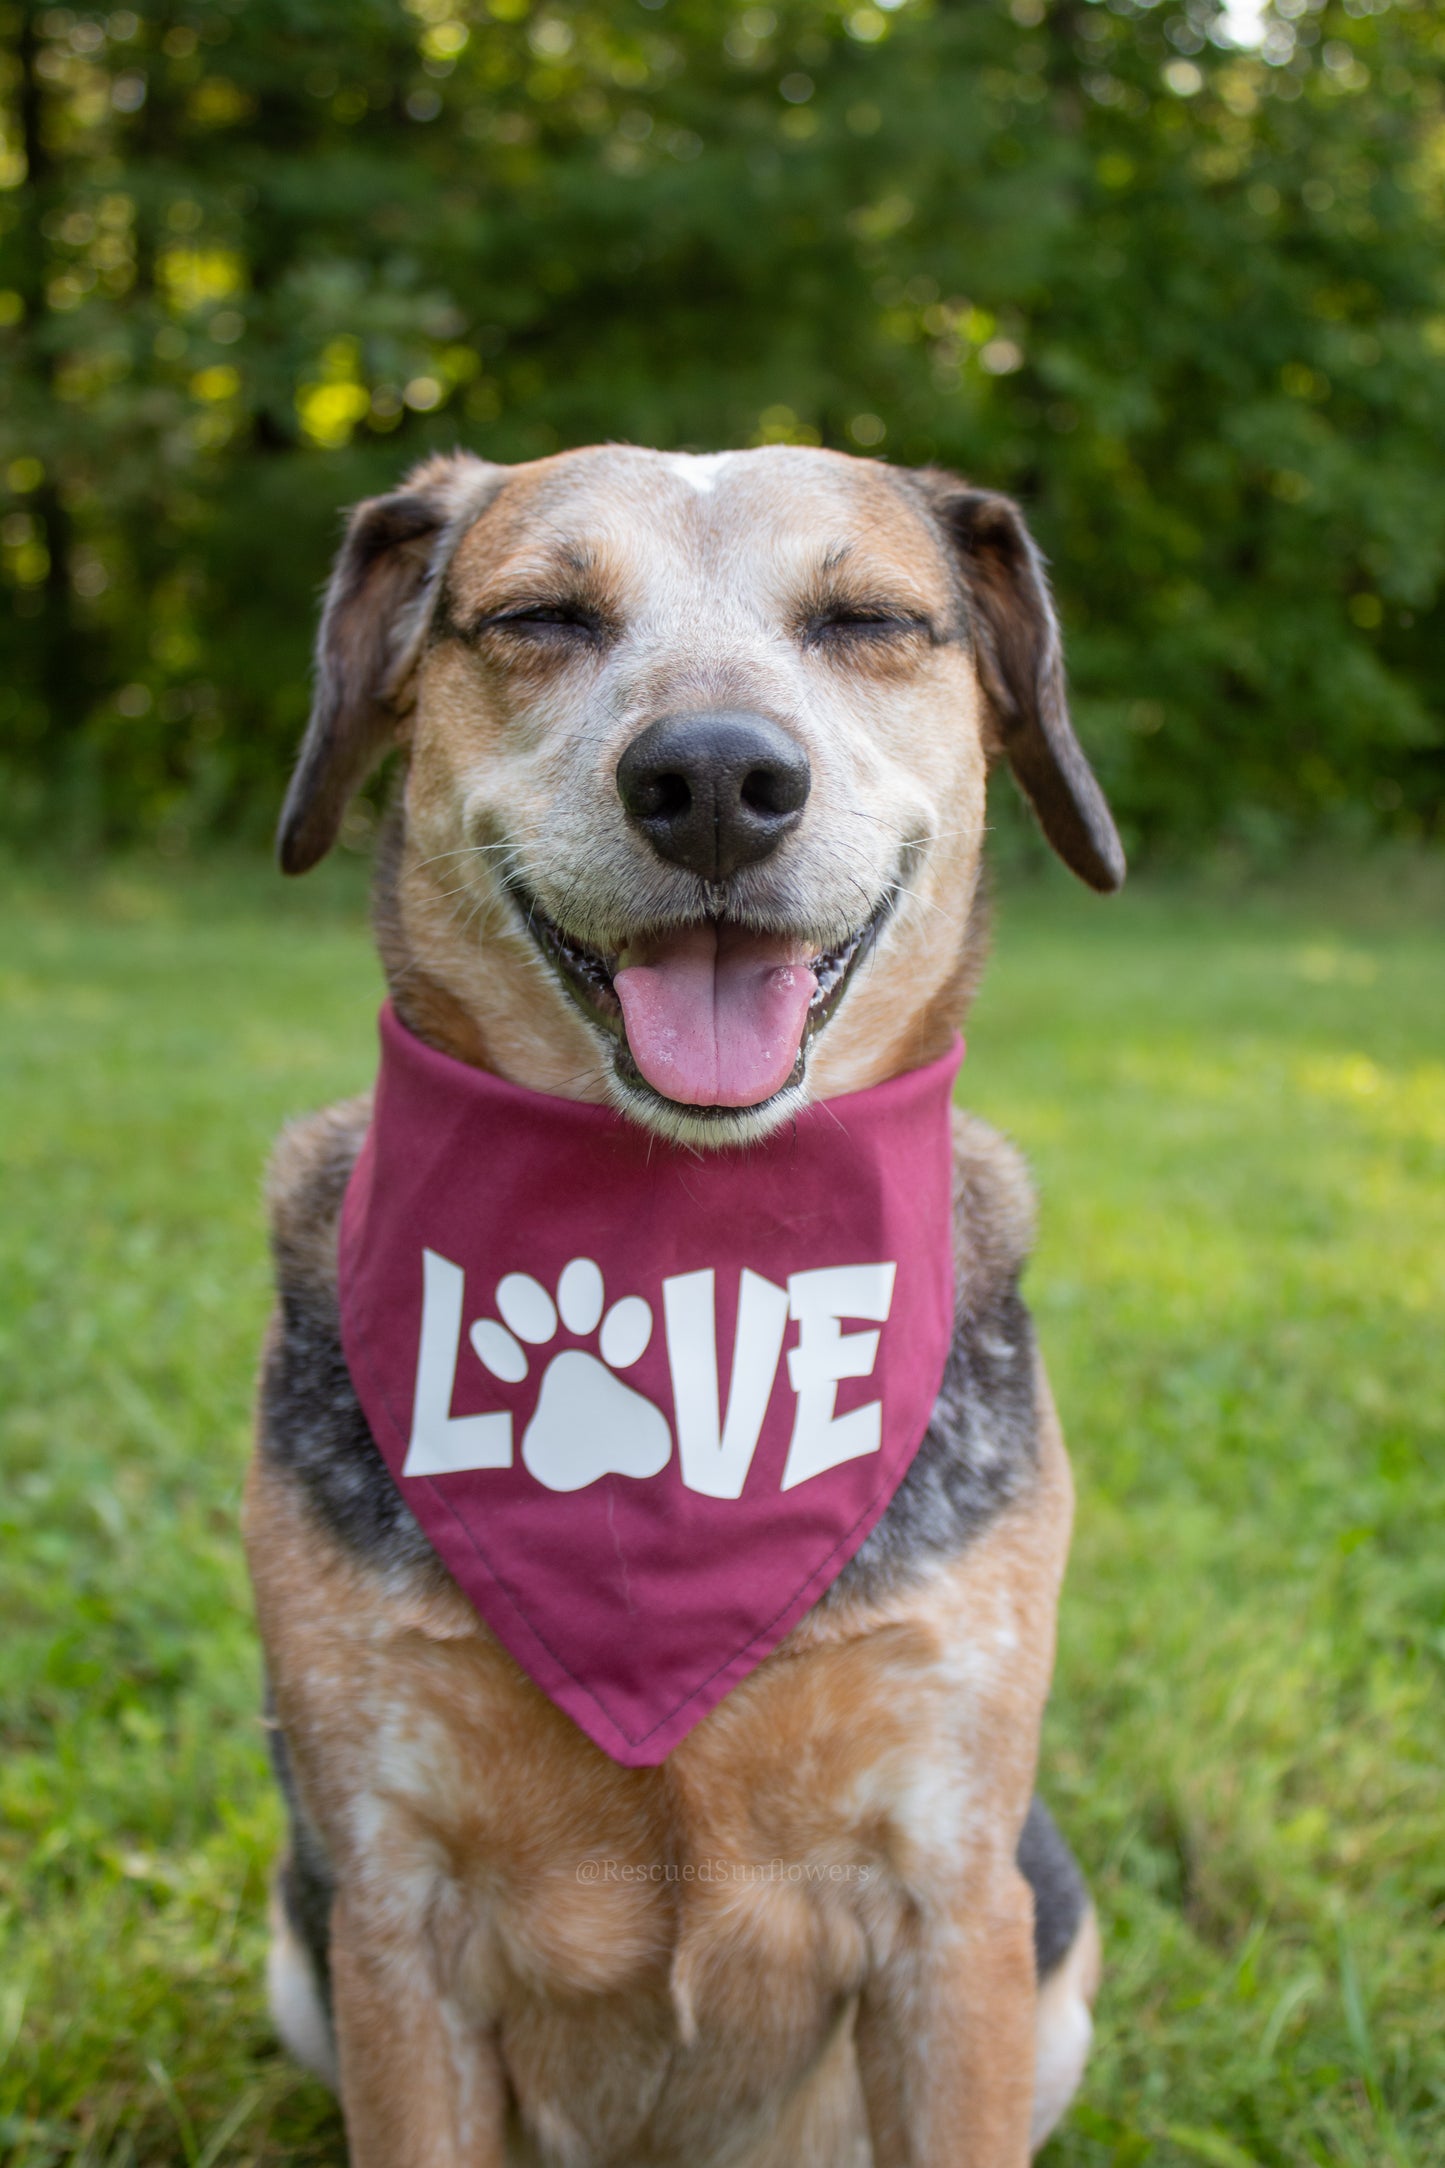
419	2088
946	2036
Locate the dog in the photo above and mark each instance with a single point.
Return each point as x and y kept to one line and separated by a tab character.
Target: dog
842	649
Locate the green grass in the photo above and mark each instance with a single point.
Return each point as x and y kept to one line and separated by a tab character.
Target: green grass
1236	1111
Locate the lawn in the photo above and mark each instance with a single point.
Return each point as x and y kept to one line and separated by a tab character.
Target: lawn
1235	1106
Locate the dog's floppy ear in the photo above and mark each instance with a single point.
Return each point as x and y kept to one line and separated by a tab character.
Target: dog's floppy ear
1021	670
376	612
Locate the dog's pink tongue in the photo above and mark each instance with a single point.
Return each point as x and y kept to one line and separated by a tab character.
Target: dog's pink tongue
715	1014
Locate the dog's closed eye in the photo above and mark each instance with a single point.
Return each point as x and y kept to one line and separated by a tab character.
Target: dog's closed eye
844	624
566	619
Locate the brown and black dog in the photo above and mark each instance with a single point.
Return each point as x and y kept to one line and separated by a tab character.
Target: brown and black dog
435	1954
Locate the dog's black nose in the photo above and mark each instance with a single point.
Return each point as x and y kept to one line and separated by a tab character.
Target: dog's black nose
714	791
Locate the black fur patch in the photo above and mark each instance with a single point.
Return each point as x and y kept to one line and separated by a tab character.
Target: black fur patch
313	1427
1060	1897
304	1881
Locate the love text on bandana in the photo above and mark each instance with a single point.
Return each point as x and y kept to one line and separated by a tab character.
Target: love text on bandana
589	1423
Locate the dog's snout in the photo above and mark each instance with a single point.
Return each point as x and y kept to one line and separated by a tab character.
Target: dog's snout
714	791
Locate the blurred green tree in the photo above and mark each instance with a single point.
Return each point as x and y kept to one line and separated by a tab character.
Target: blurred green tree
1186	298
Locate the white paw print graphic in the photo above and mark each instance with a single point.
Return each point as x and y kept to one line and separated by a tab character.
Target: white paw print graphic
587	1422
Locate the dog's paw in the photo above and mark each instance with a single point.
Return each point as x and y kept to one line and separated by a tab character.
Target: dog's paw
587	1422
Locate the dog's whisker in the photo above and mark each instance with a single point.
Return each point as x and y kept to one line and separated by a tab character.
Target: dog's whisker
908	895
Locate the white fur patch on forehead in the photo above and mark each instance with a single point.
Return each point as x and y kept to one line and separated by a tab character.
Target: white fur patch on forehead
701	471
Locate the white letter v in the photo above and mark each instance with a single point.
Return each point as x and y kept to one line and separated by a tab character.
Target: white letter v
716	1456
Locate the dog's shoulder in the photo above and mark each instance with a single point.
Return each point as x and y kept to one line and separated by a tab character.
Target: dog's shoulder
993	1211
980	1452
311	1422
306	1180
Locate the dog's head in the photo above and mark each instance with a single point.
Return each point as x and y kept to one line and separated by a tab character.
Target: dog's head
697	749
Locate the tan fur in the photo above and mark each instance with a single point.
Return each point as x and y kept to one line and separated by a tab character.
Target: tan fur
496	2001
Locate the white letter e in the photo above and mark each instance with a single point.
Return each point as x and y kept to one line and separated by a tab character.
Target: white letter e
824	1355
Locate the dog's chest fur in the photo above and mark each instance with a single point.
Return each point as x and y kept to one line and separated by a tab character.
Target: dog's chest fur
705	1924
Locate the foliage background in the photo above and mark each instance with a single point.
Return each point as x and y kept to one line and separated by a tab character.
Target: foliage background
1186	298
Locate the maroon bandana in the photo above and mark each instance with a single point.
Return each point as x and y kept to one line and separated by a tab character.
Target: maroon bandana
645	1402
